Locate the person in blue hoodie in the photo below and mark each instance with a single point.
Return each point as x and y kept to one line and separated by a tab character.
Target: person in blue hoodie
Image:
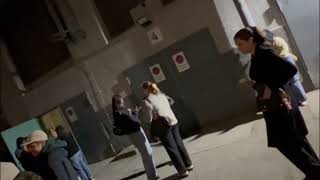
75	154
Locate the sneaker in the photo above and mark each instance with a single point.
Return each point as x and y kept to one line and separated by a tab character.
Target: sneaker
184	175
304	103
190	168
157	177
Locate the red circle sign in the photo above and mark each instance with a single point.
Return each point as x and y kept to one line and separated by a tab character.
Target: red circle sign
156	70
179	59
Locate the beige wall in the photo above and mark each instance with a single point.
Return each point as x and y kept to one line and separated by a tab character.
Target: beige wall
176	21
12	101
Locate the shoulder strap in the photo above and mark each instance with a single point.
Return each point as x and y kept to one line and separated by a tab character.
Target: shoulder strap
153	107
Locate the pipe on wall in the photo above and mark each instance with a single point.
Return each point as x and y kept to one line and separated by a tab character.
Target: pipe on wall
245	12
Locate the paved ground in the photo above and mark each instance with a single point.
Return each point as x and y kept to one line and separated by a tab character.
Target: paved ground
232	150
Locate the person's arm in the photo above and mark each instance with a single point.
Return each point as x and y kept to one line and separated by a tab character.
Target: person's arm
56	165
129	113
291	60
58	143
171	100
146	111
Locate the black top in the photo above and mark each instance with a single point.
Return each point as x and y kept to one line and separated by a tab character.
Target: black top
37	164
267	68
72	146
271	70
126	121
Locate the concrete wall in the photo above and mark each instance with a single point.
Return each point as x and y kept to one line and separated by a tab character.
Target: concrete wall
303	21
267	14
176	21
12	101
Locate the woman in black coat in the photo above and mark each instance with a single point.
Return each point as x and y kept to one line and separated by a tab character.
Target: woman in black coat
286	128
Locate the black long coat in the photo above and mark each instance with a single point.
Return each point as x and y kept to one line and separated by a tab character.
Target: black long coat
269	69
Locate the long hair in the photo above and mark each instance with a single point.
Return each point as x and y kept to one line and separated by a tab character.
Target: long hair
281	48
245	34
151	87
115	103
61	131
20	142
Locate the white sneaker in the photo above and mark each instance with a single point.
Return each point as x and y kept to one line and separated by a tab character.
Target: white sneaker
190	168
304	103
184	175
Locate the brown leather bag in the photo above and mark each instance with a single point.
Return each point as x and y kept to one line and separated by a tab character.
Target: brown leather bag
159	125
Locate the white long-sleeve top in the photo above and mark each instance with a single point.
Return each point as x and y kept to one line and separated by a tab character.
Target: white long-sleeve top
161	104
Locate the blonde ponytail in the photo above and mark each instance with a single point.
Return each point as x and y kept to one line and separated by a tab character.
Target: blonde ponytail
151	87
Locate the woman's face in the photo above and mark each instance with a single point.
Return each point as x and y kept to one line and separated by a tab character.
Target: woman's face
146	92
243	45
121	103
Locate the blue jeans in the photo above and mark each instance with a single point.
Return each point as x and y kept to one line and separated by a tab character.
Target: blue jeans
300	93
79	163
141	142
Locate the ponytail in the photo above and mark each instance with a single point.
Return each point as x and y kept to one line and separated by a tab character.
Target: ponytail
151	87
115	102
258	35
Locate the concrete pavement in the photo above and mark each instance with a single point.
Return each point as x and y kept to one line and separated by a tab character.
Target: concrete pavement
231	150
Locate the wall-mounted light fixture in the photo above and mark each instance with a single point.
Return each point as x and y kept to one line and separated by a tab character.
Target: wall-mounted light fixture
140	16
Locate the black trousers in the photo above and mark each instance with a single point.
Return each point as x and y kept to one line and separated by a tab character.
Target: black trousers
302	155
176	150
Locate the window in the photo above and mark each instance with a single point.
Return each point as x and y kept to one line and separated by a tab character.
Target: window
26	28
116	14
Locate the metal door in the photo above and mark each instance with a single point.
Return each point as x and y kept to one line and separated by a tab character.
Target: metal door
88	128
188	122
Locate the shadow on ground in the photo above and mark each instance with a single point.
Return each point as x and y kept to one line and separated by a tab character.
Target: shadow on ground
143	172
223	126
172	177
124	156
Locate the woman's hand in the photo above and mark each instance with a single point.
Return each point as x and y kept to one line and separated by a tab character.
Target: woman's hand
137	109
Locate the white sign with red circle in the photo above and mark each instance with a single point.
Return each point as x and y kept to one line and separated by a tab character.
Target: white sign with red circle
157	73
181	61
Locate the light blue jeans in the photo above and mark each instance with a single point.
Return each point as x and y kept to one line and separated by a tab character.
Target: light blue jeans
141	142
298	90
79	163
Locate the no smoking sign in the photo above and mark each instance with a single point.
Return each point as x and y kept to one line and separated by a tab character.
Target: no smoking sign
157	73
181	61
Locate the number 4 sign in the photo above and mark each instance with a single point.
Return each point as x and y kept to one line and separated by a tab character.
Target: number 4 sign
181	61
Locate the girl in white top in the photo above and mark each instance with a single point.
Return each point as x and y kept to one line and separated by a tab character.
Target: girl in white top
161	103
157	103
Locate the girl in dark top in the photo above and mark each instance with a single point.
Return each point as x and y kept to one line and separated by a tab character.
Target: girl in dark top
286	128
126	122
75	154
